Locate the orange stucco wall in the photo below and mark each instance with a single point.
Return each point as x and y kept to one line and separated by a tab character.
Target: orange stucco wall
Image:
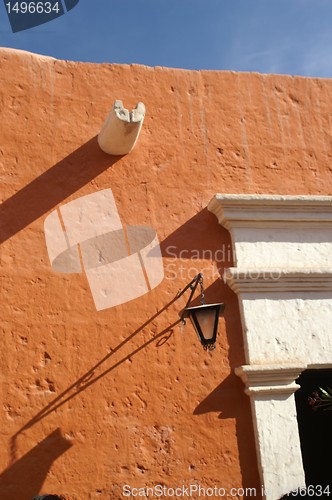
91	401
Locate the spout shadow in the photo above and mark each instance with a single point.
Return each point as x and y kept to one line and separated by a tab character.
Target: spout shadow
25	478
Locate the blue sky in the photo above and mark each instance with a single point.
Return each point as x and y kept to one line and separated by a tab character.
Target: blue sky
268	36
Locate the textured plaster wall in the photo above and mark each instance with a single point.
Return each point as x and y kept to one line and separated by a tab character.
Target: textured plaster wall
95	400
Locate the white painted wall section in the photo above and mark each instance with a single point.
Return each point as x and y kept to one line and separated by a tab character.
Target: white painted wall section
283	278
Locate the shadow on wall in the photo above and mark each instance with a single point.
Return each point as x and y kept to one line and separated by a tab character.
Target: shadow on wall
229	399
24	479
200	238
52	187
203	238
93	375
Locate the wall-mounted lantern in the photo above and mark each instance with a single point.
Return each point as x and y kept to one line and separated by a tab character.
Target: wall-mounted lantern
204	317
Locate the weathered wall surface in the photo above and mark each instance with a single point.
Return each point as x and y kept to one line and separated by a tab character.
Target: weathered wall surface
91	400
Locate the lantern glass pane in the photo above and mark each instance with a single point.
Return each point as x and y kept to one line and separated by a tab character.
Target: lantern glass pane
206	319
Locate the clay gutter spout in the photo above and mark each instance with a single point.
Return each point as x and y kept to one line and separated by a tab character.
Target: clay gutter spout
121	129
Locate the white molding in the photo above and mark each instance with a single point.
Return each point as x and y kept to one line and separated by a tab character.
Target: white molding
270	379
277	280
233	210
270	231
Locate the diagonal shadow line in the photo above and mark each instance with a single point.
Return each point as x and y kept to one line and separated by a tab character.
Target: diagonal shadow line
90	381
86	380
52	187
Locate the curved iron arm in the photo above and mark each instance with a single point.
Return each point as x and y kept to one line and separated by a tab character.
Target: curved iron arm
192	285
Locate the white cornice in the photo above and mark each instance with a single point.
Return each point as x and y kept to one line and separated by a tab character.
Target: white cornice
269	379
277	280
244	210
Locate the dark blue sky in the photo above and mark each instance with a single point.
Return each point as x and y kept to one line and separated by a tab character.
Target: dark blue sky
269	36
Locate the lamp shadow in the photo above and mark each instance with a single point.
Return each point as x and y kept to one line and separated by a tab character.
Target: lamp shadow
52	187
25	478
229	400
91	377
202	237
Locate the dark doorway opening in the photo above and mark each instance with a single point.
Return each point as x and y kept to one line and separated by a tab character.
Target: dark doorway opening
315	429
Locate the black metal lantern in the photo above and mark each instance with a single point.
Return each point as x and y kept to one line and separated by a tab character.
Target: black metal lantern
204	317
